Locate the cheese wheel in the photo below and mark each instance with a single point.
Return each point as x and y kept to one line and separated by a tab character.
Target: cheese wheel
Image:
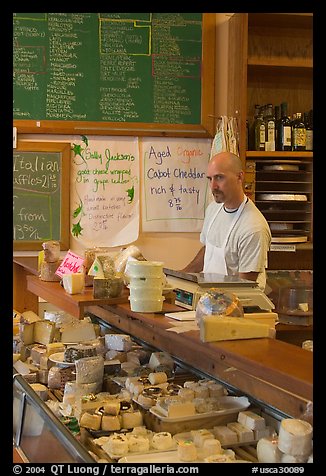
116	445
295	437
162	441
51	251
138	443
187	450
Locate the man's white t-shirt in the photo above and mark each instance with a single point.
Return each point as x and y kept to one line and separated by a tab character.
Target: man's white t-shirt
248	243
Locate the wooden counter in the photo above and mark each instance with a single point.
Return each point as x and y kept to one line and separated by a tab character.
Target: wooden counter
268	370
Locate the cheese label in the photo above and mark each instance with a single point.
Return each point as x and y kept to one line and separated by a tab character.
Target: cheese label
72	263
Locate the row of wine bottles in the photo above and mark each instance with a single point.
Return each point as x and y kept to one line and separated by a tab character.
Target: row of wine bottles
272	129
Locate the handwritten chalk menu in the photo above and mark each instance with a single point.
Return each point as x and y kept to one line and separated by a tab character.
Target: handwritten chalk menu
115	73
40	194
175	188
104	190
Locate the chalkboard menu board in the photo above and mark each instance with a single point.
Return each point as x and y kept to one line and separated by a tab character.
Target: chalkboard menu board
40	194
116	73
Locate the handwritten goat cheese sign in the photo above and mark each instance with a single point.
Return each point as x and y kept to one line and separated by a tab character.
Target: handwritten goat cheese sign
175	188
104	191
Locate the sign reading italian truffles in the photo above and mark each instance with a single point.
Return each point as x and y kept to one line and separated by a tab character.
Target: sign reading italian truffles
40	194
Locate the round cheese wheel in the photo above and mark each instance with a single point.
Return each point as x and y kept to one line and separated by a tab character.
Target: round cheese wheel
295	437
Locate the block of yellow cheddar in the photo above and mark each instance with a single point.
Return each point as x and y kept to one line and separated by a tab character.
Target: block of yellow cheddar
213	328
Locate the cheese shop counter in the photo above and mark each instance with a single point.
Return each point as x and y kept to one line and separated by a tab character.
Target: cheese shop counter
273	372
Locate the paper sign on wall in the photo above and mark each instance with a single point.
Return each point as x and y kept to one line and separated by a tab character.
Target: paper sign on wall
105	191
174	189
72	263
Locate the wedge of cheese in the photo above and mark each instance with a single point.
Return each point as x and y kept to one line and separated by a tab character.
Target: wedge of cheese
44	332
26	326
77	331
74	283
213	328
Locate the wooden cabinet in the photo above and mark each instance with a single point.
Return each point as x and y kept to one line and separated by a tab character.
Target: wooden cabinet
271	61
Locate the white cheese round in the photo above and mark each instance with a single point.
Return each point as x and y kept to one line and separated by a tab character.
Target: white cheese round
295	437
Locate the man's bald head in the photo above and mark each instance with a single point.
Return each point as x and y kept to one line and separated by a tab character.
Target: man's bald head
228	160
225	175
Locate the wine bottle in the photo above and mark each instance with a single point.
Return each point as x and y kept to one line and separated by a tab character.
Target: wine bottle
277	115
308	122
269	128
260	132
298	133
252	128
284	130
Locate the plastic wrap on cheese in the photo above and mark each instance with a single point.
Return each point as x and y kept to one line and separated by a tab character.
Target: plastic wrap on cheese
217	303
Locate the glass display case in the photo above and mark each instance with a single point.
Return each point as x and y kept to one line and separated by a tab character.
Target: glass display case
38	435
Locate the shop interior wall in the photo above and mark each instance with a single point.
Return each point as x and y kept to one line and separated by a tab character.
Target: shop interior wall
175	250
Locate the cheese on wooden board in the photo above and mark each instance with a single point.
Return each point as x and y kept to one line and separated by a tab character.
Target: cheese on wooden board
214	329
74	283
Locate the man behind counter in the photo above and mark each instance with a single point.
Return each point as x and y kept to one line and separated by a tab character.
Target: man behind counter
235	234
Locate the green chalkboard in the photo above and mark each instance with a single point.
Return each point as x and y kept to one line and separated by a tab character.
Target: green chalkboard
124	73
40	194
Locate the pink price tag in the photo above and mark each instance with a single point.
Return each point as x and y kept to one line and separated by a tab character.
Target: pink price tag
71	263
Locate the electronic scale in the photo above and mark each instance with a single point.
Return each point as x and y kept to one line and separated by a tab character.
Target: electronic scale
189	287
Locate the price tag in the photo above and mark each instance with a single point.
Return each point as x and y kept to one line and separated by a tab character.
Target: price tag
71	264
279	247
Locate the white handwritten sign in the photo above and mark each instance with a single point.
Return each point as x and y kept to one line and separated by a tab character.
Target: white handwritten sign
105	191
174	189
72	263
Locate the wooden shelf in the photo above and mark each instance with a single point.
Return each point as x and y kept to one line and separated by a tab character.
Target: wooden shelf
74	304
253	154
280	63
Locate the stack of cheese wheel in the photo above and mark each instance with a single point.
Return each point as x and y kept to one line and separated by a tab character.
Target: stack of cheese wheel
146	286
295	440
293	444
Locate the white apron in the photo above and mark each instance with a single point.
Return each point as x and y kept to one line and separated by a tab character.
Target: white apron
214	259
